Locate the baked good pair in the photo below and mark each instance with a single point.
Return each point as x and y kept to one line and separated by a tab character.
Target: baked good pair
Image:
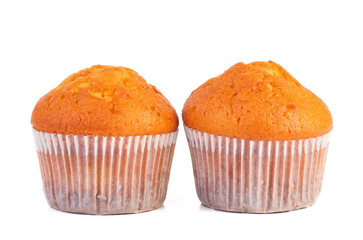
105	140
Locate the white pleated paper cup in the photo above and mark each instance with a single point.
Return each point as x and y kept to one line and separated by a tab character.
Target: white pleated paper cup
238	175
105	175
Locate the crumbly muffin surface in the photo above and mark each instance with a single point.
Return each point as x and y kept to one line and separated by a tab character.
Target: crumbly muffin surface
259	101
105	100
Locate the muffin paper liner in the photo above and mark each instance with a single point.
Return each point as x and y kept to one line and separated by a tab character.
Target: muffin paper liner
105	175
239	175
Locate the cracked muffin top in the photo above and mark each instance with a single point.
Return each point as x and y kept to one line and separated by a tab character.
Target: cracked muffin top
257	101
104	100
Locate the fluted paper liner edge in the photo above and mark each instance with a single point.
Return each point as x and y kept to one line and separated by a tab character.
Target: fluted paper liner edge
105	174
238	175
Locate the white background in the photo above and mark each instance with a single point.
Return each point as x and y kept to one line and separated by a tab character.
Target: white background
177	46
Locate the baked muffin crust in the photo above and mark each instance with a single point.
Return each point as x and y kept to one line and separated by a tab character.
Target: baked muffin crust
105	100
258	101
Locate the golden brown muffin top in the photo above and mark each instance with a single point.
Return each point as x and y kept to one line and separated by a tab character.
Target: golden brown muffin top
105	100
258	101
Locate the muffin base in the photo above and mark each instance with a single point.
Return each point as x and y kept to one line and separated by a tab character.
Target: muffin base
260	212
109	212
239	175
105	175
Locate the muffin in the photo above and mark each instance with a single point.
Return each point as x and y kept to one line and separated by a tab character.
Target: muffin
258	140
105	140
